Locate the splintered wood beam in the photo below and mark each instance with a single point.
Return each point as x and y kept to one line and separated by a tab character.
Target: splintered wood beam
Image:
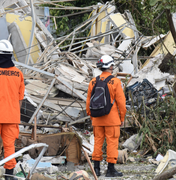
35	128
90	164
40	125
166	174
13	10
41	103
79	120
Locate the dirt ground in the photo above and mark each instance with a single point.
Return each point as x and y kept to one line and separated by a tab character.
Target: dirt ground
140	169
137	170
131	171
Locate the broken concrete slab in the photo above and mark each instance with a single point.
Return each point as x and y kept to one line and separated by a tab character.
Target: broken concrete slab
22	30
3	29
18	42
7	3
44	30
37	87
23	3
151	72
69	73
133	142
41	37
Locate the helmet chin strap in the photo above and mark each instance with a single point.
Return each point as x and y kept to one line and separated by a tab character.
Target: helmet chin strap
5	52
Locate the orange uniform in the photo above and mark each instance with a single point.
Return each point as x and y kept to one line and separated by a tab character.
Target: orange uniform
11	92
108	125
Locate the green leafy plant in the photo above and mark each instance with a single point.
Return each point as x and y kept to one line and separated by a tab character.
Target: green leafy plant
158	123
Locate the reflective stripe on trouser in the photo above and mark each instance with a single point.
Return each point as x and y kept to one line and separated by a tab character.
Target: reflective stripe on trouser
9	133
112	134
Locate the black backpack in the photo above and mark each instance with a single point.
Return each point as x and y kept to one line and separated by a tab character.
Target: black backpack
100	101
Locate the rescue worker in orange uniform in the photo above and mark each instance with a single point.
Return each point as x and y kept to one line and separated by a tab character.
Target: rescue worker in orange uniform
107	126
11	96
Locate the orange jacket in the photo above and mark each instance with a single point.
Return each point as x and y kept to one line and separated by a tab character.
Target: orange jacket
116	92
11	91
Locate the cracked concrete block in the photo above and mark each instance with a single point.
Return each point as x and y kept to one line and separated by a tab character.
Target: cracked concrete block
3	29
18	42
70	166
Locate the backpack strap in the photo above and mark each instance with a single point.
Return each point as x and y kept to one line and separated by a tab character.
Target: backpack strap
108	78
97	78
105	80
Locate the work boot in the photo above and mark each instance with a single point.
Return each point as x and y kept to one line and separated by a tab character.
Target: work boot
112	172
97	167
10	172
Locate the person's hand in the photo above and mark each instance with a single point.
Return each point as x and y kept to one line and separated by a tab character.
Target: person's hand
122	123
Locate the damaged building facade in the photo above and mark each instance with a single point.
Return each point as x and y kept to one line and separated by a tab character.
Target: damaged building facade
56	81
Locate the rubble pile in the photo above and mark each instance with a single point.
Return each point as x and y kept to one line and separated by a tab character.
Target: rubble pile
53	112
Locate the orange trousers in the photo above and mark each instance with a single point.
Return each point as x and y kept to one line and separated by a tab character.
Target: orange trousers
112	134
9	133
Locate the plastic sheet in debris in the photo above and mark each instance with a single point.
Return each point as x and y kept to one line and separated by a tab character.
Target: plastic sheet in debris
42	166
54	160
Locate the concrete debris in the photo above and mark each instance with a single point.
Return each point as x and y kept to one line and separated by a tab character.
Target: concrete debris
41	167
151	72
3	29
133	142
57	78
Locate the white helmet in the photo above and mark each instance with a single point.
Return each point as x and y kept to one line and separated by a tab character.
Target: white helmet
5	47
105	62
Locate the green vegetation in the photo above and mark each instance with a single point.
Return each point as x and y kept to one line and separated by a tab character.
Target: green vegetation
158	123
149	15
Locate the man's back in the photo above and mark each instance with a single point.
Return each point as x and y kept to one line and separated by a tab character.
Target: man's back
116	92
11	91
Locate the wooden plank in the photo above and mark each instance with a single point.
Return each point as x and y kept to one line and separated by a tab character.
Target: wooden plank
15	9
166	174
125	76
7	3
40	36
71	111
37	87
45	30
40	125
35	128
90	164
69	73
66	102
80	86
79	120
66	90
70	87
